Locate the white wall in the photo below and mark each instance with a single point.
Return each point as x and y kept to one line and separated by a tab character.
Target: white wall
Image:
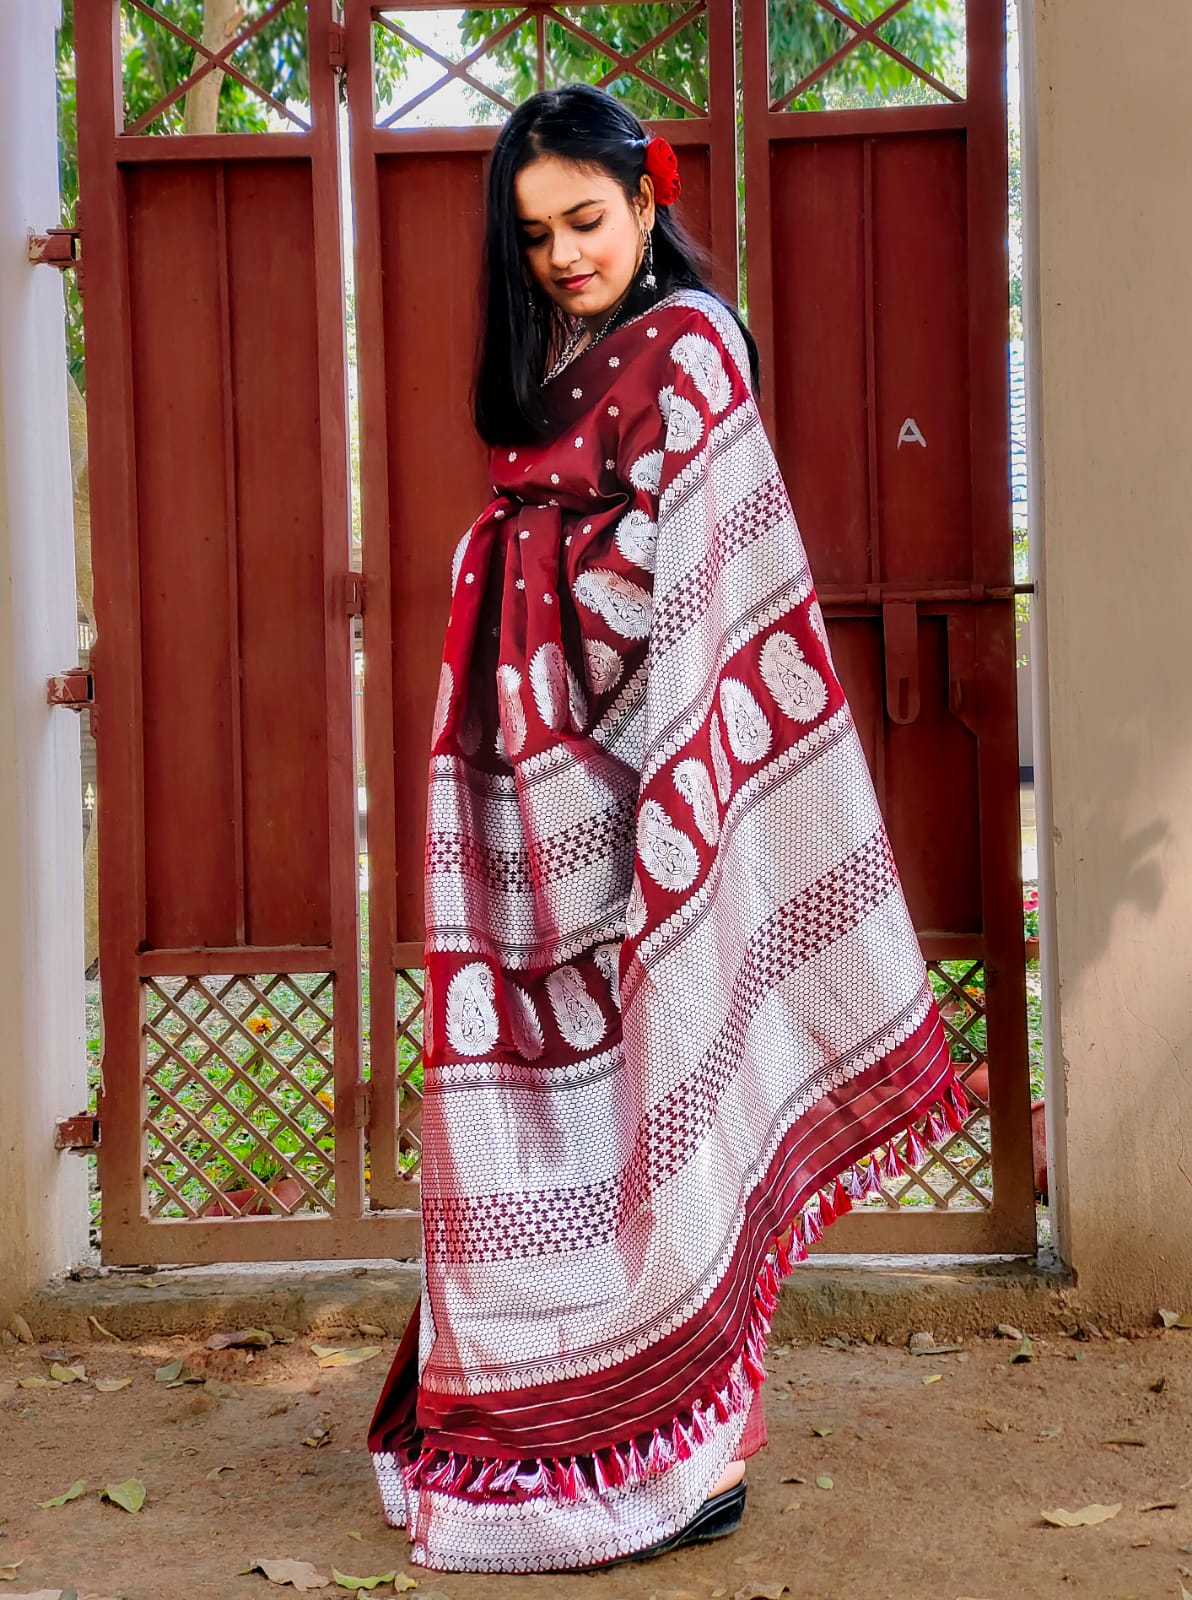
1108	178
42	1061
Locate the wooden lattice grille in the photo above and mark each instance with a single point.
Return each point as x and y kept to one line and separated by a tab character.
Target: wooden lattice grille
499	55
409	994
957	1173
180	61
239	1095
826	55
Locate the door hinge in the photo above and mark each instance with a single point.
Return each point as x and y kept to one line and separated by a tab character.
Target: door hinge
350	593
337	50
74	688
77	1133
57	247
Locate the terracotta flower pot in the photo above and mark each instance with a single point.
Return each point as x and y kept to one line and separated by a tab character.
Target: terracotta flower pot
252	1203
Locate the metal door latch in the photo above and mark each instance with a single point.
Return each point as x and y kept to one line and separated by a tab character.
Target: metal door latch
74	688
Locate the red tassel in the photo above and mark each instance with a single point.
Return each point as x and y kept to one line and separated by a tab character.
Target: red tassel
503	1481
636	1466
483	1478
660	1455
600	1476
683	1445
841	1199
892	1163
916	1150
535	1483
754	1368
567	1483
782	1257
618	1472
957	1098
872	1181
799	1249
700	1426
827	1212
812	1229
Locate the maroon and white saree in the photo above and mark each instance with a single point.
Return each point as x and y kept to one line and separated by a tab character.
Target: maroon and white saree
675	1006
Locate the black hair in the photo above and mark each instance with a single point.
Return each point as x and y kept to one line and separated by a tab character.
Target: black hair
520	327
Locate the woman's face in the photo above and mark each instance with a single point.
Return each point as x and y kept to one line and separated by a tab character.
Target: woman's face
581	238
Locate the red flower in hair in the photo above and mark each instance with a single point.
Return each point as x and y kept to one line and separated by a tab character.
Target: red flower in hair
663	166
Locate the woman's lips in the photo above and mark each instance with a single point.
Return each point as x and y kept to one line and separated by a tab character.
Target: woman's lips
576	283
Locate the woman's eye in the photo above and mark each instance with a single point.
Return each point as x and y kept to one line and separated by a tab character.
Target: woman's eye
580	227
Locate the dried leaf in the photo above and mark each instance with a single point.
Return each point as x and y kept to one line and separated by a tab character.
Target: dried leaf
1024	1352
350	1358
22	1330
823	1482
1170	1318
241	1339
672	1594
822	1433
78	1487
36	1383
355	1535
1007	1330
38	1594
63	1374
300	1574
111	1385
403	1582
9	1570
104	1333
794	1478
1086	1517
129	1495
370	1330
170	1373
933	1377
346	1581
1161	1505
923	1340
761	1591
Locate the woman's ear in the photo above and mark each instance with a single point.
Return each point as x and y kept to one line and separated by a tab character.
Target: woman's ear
645	202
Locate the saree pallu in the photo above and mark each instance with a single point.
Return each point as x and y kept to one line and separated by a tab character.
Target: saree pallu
676	1015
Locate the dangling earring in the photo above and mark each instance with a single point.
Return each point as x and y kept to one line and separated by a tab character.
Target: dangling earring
650	281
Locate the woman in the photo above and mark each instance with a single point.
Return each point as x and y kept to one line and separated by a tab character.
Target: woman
676	1014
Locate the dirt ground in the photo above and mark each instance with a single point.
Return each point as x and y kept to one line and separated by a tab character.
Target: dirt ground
937	1487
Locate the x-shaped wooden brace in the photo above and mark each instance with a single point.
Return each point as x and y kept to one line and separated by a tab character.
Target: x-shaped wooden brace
214	59
540	15
862	33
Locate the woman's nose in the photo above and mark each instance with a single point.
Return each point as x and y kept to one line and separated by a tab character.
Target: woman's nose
563	252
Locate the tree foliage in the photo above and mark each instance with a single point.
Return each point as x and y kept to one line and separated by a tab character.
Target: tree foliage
802	35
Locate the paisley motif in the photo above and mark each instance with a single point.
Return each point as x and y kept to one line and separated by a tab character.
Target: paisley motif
548	681
819	627
700	360
604	666
472	1024
646	472
724	776
684	425
798	689
694	783
512	733
523	1022
625	606
749	733
577	701
457	560
667	854
608	960
470	732
636	538
577	1012
442	702
635	909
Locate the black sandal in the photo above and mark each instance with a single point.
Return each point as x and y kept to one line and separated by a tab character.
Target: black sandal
716	1518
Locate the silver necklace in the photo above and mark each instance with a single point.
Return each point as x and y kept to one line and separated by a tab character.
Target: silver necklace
571	348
